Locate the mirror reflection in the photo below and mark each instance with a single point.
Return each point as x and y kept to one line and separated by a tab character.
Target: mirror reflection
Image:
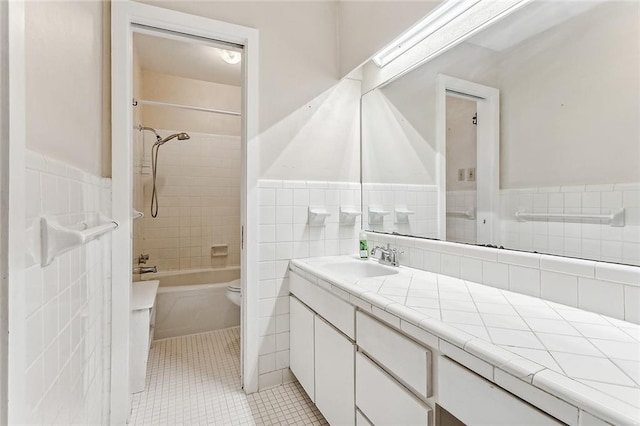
525	136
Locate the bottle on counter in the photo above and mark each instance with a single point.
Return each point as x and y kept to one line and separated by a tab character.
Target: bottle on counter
364	247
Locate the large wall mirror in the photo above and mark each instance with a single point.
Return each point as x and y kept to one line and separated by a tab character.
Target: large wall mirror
526	136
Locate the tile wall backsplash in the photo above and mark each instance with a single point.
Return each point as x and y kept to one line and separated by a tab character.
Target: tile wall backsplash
198	185
68	302
283	234
422	200
593	240
600	287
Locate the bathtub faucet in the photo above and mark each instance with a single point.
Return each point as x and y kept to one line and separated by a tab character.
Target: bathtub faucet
145	270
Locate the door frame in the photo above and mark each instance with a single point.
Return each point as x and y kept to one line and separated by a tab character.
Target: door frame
12	263
488	157
124	16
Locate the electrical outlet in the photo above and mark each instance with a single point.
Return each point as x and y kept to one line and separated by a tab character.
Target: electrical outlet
460	174
471	174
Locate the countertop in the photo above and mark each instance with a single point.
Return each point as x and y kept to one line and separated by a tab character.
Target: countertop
144	294
587	360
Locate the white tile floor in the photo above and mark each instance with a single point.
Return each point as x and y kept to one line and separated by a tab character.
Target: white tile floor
195	380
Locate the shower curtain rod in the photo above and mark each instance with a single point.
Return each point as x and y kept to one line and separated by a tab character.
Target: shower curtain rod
137	102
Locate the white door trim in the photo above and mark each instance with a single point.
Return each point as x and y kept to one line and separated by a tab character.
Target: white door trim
488	158
125	14
15	152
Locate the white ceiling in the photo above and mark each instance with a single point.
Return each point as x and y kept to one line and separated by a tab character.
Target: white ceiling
189	59
535	18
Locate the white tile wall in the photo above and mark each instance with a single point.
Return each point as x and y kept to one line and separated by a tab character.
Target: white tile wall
284	234
605	288
589	240
199	196
68	302
421	199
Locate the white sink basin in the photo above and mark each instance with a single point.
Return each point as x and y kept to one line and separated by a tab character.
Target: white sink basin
360	269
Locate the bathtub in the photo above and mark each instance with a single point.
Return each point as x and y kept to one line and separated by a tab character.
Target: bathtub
194	301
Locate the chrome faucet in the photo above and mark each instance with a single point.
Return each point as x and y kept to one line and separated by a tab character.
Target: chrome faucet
388	256
142	259
145	270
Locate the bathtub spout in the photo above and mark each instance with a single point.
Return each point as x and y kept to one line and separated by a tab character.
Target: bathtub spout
145	270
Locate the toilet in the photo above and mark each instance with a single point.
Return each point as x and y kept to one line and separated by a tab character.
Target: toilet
234	292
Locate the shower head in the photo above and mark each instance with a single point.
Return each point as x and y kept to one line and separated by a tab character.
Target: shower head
181	137
141	128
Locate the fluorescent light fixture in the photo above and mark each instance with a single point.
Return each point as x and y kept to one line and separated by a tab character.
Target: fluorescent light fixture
230	56
445	13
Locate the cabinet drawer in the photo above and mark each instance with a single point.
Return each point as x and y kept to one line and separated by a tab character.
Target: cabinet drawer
383	400
404	358
335	310
473	399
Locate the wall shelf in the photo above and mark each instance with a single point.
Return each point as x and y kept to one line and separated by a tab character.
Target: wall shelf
348	215
317	215
376	215
402	214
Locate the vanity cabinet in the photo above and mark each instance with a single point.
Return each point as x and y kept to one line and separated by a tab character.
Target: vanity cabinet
359	370
321	355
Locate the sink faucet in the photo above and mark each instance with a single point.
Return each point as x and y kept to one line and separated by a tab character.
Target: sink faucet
145	270
388	256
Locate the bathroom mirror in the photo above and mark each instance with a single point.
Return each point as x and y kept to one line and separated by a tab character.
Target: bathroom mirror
526	136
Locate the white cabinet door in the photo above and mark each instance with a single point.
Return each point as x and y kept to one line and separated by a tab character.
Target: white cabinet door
334	356
301	357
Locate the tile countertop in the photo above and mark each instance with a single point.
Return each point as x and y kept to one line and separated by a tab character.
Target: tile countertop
588	360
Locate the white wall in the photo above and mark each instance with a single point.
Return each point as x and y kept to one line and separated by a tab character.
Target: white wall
393	151
579	101
64	81
318	141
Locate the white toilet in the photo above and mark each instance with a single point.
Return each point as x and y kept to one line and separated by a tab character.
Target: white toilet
234	292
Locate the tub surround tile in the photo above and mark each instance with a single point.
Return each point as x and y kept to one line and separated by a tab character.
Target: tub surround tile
562	353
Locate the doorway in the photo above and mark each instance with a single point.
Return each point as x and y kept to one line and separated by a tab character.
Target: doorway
129	18
486	173
461	157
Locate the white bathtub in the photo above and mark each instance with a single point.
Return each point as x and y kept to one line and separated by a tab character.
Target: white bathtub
194	301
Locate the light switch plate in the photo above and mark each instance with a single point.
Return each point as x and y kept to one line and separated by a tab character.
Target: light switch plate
471	174
461	174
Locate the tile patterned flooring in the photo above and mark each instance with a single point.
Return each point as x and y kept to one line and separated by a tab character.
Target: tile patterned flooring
195	380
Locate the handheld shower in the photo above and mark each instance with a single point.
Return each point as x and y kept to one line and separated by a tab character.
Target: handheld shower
154	161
